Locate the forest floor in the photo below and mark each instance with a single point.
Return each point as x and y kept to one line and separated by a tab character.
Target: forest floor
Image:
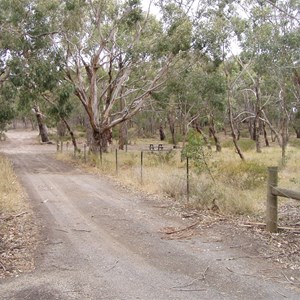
85	237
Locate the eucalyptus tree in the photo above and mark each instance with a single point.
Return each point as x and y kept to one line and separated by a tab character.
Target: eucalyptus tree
114	58
195	86
214	35
178	39
7	107
6	94
33	61
271	41
22	22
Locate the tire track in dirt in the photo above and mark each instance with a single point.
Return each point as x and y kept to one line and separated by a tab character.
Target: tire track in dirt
104	243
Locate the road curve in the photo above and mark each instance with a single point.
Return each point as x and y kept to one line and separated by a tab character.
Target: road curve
100	242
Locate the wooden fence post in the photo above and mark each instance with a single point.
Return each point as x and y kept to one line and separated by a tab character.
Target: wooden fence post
272	207
57	146
61	146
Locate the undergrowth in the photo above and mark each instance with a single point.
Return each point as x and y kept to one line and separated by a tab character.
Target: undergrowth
229	186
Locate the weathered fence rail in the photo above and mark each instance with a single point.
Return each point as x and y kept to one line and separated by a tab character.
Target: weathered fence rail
272	202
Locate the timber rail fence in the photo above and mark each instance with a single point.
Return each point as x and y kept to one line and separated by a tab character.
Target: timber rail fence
272	202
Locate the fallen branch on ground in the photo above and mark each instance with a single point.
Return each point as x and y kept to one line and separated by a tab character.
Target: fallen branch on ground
183	229
14	216
262	225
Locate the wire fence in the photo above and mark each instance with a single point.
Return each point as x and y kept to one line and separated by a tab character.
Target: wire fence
143	161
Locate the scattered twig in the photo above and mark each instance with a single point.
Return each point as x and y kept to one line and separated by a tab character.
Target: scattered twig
14	216
183	229
262	225
204	273
191	290
81	230
78	291
161	206
212	241
289	281
254	224
2	266
292	229
240	246
20	214
284	296
202	277
53	243
231	271
235	247
58	229
111	268
241	257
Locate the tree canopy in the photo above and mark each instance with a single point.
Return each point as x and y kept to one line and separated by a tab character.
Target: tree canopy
194	62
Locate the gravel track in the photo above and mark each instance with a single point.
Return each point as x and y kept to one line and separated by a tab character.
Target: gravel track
101	242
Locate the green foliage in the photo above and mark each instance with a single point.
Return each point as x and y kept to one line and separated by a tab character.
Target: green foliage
243	175
178	28
7	105
62	105
6	114
196	150
135	13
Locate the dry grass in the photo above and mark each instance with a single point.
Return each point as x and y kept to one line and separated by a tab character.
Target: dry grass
11	197
18	230
238	187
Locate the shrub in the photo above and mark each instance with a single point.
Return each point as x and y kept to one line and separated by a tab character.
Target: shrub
197	151
160	157
243	175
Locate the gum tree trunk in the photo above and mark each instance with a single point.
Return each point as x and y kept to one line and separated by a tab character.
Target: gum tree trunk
71	133
41	124
122	135
100	141
212	130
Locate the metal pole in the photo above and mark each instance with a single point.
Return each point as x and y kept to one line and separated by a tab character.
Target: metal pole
272	206
100	157
117	161
126	145
187	180
84	152
142	158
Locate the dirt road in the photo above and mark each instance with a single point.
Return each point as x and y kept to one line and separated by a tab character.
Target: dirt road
99	242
